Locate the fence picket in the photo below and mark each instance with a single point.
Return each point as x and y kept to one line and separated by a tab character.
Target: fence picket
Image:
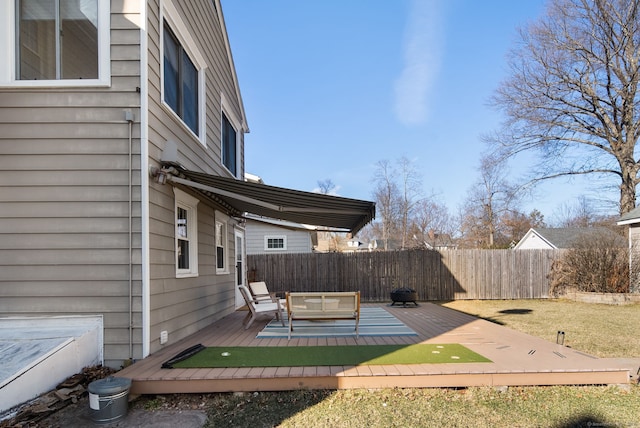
446	275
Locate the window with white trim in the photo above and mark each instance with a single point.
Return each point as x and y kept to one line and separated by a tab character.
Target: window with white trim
230	138
273	243
229	146
180	81
186	234
221	244
55	43
182	72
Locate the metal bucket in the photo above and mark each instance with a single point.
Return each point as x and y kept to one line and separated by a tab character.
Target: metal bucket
109	399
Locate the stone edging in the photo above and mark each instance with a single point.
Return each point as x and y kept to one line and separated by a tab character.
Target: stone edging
604	298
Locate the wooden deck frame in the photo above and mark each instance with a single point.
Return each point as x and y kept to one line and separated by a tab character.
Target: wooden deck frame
517	359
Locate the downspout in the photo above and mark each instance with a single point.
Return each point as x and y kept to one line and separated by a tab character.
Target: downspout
129	118
144	181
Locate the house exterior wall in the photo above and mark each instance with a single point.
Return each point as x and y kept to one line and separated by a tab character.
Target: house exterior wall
64	188
64	192
298	241
182	306
634	252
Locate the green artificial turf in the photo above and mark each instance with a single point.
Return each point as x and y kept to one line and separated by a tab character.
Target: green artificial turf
295	356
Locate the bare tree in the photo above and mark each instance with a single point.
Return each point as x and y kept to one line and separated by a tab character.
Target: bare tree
580	213
516	224
326	186
572	95
386	196
430	219
488	200
411	195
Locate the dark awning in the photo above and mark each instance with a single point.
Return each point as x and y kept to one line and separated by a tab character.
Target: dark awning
280	203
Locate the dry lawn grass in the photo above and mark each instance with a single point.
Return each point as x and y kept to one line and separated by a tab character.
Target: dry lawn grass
473	407
601	330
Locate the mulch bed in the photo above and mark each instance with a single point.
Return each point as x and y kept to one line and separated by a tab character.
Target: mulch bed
67	392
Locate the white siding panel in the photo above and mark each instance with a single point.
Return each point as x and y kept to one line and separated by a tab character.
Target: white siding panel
298	241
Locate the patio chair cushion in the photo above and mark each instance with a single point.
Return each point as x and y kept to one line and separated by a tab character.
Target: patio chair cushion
261	293
256	307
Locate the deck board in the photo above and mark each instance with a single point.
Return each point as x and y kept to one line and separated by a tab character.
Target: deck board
514	361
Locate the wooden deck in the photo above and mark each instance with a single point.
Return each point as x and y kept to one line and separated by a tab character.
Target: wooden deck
517	359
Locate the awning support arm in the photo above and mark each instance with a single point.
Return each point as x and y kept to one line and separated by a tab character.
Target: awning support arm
196	185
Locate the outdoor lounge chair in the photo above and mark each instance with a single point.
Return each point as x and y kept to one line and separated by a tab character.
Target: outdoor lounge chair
257	308
261	293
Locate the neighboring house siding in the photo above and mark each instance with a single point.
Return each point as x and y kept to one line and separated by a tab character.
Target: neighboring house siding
182	306
64	239
634	236
298	241
534	242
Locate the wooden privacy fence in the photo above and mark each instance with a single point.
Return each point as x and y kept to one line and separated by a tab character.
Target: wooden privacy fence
446	275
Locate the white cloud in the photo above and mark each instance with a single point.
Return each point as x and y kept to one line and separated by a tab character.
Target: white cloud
422	48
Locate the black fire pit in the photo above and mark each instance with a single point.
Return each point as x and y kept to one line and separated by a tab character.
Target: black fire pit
404	295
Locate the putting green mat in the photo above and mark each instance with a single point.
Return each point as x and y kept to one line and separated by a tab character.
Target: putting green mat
295	356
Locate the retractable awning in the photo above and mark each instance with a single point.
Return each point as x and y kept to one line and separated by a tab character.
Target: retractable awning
280	203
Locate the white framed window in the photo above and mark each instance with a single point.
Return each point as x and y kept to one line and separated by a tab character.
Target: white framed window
182	73
55	43
230	139
186	234
180	81
221	237
229	146
275	242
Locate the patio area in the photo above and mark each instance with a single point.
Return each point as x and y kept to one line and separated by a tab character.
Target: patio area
517	359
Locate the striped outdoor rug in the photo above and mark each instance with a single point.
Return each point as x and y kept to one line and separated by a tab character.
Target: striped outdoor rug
373	322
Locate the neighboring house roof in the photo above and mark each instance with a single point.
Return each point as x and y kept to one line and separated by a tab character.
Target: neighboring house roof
556	238
631	217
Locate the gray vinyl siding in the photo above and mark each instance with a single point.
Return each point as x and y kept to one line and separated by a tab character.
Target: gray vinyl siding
64	238
298	241
64	233
182	306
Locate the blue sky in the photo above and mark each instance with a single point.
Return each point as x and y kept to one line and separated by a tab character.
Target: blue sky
332	87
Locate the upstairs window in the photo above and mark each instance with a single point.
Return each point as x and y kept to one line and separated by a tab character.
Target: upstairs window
180	81
61	41
229	146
